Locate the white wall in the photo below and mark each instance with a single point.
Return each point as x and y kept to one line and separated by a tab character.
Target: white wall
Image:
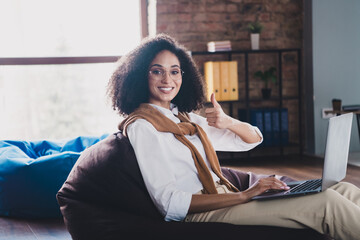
336	62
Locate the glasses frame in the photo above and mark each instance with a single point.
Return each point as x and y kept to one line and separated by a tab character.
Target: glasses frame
165	72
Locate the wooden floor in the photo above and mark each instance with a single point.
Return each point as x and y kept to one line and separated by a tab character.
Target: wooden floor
23	229
299	168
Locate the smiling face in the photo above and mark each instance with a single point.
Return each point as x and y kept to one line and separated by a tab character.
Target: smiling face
164	87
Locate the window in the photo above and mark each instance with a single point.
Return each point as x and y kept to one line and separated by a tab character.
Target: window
53	101
43	28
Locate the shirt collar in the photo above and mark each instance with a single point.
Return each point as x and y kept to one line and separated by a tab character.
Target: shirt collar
173	109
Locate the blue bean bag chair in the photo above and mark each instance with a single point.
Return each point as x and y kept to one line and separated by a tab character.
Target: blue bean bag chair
31	173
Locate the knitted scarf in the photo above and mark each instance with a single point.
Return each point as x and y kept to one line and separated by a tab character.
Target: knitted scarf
185	127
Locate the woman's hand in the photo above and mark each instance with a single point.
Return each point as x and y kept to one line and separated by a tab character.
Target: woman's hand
209	202
216	117
263	185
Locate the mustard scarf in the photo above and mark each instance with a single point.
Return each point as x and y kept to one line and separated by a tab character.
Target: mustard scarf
185	127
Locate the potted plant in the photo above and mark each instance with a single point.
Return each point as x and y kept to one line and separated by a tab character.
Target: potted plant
266	76
255	29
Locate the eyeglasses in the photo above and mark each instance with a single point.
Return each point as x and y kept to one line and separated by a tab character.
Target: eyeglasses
159	73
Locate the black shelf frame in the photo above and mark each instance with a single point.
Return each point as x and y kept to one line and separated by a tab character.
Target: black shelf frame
280	98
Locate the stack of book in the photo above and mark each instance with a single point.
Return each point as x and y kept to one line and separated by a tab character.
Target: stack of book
218	46
351	107
222	79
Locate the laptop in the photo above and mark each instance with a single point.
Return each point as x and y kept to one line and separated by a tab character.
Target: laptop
335	162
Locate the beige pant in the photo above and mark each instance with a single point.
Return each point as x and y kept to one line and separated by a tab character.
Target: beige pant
335	211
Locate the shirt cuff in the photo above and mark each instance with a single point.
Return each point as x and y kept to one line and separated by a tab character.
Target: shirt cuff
179	206
260	134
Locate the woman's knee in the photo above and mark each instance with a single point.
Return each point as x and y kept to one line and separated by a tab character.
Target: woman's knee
343	187
347	185
330	194
342	184
330	198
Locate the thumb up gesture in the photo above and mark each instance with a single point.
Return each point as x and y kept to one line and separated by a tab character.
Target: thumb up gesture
215	116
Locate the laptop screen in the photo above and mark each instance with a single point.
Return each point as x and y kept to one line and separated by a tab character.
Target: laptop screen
337	149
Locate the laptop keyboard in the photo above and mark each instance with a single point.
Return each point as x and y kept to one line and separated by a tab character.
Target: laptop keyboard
307	186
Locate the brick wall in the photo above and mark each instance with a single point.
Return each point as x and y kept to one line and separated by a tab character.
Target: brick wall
196	22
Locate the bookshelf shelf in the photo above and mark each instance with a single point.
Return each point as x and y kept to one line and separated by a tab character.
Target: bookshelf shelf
259	99
278	100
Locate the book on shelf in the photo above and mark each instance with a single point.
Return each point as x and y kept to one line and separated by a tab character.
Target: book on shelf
276	133
218	46
212	79
222	79
268	122
234	81
268	127
284	126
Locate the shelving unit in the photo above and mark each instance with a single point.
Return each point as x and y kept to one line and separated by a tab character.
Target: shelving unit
279	99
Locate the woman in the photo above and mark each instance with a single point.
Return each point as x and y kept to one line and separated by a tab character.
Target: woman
158	86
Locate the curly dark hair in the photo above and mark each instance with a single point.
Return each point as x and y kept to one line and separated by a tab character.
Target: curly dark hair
128	86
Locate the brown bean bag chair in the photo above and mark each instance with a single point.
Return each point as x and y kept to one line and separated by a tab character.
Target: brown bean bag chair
104	197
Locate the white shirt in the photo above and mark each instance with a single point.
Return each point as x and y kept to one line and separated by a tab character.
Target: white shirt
167	166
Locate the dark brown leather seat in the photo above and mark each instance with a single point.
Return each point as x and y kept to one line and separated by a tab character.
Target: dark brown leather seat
104	197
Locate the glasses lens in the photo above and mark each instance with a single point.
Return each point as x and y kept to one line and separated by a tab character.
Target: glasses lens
157	73
176	74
